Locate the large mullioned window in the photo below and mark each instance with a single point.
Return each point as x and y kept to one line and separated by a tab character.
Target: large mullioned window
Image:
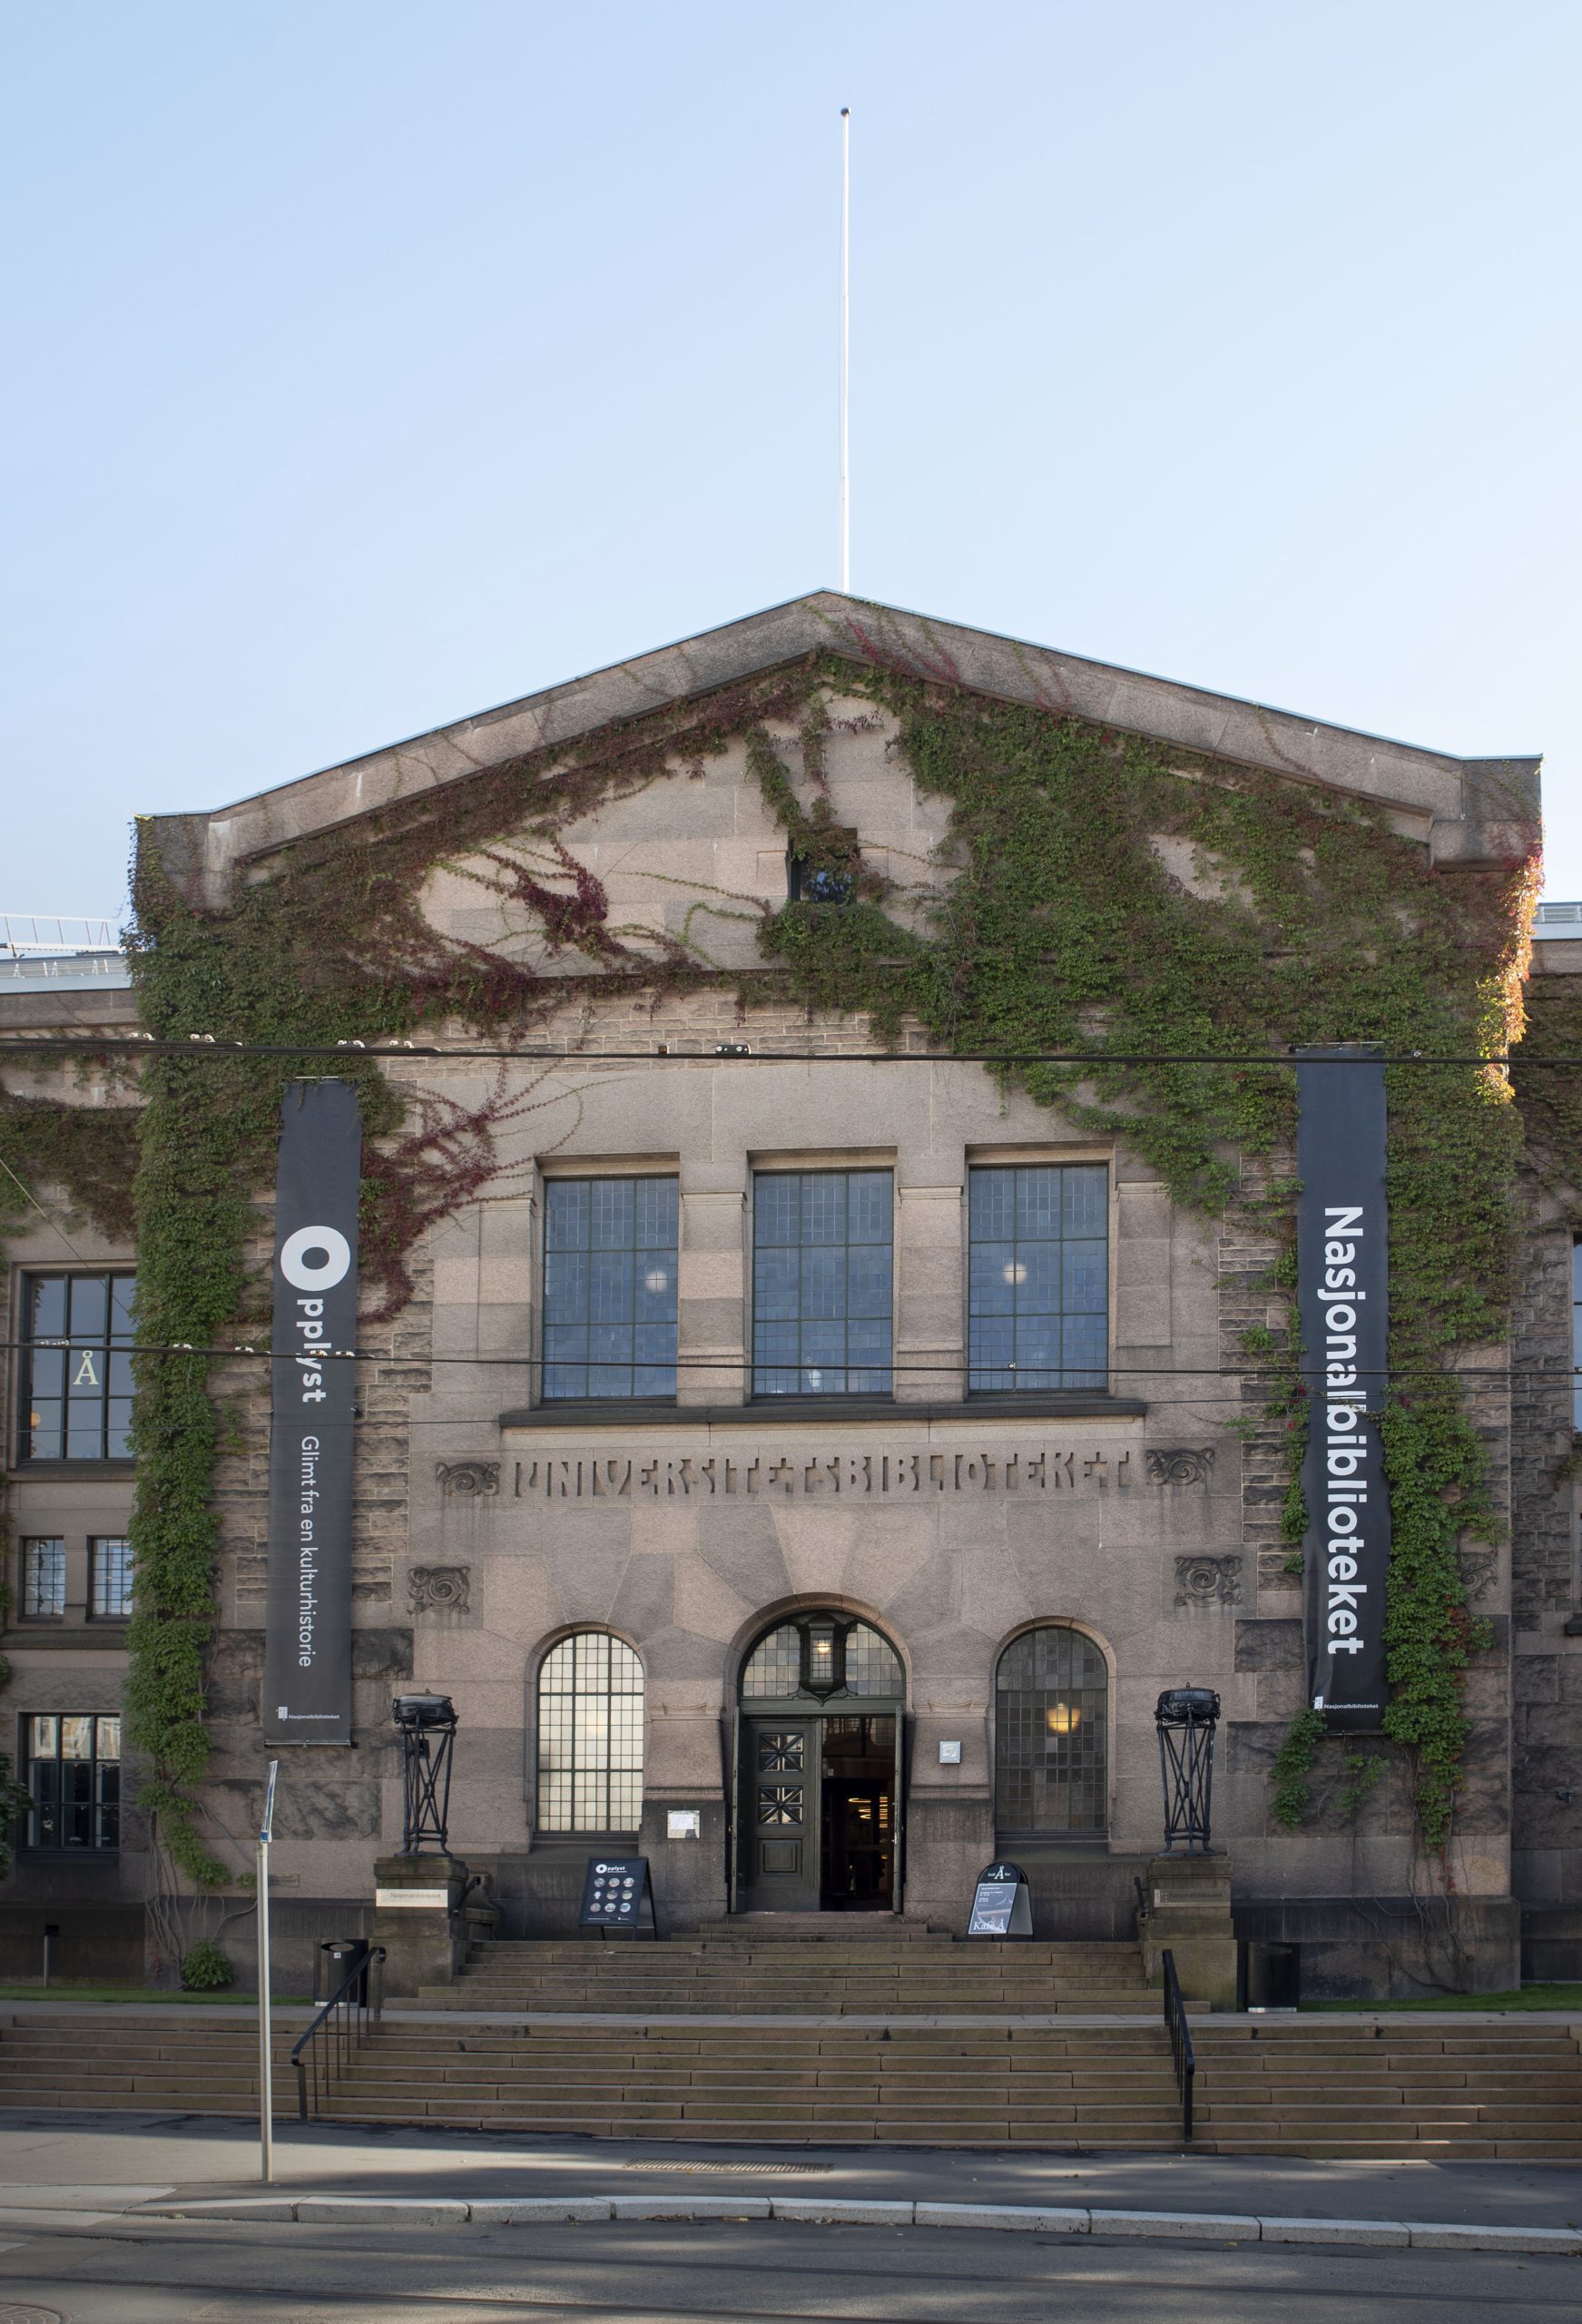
609	1287
73	1780
43	1579
1051	1737
590	1735
77	1367
1038	1277
822	1278
110	1578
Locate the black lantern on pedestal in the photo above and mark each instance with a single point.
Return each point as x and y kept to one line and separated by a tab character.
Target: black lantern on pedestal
426	1725
1186	1717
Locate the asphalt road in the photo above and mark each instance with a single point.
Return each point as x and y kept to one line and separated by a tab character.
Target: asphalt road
171	2273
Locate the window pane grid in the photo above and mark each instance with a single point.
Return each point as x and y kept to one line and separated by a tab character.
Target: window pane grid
1038	1277
1051	1735
609	1287
590	1735
822	1283
775	1665
871	1667
73	1780
867	1663
77	1367
111	1562
43	1579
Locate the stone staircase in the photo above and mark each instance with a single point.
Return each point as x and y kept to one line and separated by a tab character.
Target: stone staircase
848	2033
860	1969
1389	2087
1337	2088
786	2083
169	2064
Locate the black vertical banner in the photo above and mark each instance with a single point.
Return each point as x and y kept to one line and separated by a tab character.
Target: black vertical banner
1342	1272
307	1619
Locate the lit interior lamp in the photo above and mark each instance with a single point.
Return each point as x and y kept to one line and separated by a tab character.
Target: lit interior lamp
656	1279
1062	1718
820	1657
1013	1271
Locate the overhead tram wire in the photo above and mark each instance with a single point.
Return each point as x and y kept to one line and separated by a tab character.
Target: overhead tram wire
210	1045
423	1361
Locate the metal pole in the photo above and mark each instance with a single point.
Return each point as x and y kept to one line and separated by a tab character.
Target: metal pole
266	2089
845	351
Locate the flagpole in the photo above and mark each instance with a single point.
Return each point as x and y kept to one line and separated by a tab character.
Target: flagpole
846	350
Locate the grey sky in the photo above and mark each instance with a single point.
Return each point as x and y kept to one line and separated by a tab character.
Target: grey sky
369	365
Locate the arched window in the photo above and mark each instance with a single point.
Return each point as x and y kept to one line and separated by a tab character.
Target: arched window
821	1654
1051	1737
590	1735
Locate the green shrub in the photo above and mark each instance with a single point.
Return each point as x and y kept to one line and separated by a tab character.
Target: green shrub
204	1969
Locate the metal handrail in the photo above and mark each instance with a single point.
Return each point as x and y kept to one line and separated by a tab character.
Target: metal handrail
341	2027
1180	2033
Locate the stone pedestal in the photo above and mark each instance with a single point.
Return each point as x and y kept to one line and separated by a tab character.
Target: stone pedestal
1189	1916
422	1919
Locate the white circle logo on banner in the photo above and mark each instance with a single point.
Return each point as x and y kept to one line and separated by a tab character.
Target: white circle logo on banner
315	1258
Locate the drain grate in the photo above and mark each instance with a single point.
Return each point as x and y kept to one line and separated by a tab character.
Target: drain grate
725	2171
14	2311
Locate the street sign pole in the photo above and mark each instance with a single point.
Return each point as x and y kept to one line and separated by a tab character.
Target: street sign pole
266	2092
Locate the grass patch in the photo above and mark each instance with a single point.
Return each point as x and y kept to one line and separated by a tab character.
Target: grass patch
1567	1996
65	1989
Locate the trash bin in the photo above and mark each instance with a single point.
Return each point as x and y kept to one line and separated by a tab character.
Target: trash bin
1273	1975
340	1955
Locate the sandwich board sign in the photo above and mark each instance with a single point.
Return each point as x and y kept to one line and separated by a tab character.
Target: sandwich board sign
616	1895
1001	1905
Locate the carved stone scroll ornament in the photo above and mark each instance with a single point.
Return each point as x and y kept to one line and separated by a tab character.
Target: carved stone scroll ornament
468	1478
1208	1581
1179	1466
1479	1572
439	1589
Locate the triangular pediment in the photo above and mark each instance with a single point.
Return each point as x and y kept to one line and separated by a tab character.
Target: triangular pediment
1468	810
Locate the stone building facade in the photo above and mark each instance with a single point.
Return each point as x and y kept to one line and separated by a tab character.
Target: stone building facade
801	1591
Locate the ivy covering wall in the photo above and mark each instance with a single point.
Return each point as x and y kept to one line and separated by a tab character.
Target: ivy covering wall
1060	923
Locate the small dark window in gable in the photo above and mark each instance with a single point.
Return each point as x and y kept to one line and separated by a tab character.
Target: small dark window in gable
826	877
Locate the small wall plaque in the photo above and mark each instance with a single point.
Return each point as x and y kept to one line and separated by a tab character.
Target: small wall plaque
950	1754
684	1824
426	1900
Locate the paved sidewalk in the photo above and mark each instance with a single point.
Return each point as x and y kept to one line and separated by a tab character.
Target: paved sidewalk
50	2159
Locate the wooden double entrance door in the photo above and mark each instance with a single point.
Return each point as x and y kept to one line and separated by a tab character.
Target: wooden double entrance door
817	1813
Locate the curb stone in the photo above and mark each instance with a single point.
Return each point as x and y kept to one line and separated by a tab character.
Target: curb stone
1204	2227
1017	2217
811	2211
1373	2234
828	2210
689	2207
380	2210
538	2211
